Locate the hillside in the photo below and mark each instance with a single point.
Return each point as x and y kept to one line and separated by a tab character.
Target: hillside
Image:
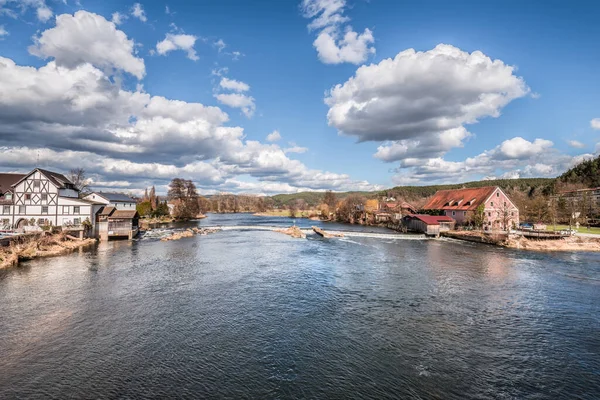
526	187
584	174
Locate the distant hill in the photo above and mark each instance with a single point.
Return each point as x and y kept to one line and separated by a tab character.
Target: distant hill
525	187
585	174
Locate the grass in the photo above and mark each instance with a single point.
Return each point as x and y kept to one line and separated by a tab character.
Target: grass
582	229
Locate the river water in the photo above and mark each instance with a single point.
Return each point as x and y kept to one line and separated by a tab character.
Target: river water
262	315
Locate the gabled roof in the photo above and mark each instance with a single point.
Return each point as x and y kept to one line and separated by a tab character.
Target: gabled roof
116	197
59	180
431	219
7	180
129	214
106	211
461	199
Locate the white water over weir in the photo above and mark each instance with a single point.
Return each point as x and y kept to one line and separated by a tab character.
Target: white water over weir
393	236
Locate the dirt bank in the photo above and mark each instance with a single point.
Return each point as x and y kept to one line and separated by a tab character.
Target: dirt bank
40	246
570	243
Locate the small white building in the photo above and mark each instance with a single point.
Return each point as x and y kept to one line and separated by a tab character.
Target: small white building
120	201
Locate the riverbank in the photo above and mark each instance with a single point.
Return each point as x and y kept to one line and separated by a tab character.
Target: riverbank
37	246
570	243
310	214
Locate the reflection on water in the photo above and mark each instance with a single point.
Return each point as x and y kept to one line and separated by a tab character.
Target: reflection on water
261	315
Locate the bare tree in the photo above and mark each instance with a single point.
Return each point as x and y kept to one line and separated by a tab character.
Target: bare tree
80	181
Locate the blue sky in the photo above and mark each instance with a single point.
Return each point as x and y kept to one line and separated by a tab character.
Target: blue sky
364	94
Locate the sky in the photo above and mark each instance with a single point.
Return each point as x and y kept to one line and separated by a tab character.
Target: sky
270	97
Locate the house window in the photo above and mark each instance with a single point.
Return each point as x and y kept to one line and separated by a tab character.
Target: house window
76	210
504	204
44	209
453	213
44	197
464	213
489	214
22	209
36	184
65	209
5	221
27	196
497	194
76	221
492	204
6	210
8	196
512	214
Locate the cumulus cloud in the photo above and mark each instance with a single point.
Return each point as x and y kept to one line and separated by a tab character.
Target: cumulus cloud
3	32
232	84
434	145
576	144
595	123
88	38
519	148
336	41
77	116
504	161
138	11
274	136
236	100
416	94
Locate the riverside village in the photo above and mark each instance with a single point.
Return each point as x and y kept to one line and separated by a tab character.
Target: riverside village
42	203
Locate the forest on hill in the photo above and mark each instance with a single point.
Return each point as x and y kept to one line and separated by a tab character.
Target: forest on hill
585	174
528	187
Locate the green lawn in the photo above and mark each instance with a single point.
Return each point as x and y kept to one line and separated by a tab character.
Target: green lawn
582	229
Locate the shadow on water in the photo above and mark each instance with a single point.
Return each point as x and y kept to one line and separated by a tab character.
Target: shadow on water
262	315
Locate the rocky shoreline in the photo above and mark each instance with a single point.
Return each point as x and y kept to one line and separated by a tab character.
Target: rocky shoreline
190	232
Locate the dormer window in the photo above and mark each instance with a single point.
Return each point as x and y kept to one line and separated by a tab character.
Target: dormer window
470	203
8	196
458	202
448	204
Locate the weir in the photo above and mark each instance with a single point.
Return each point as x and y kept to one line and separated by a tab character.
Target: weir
391	236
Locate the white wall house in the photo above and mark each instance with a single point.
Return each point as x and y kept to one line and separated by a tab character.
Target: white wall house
47	198
118	200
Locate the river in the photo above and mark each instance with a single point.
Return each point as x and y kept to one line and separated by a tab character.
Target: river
261	315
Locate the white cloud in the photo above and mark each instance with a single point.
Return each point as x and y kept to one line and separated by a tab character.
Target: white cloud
220	45
178	42
220	71
138	12
236	100
336	43
274	136
420	94
351	47
88	38
595	123
42	11
576	144
294	148
519	148
427	146
232	84
118	18
3	32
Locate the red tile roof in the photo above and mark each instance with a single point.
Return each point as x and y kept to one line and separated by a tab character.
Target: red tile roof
441	200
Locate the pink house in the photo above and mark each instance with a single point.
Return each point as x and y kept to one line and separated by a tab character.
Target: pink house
500	212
